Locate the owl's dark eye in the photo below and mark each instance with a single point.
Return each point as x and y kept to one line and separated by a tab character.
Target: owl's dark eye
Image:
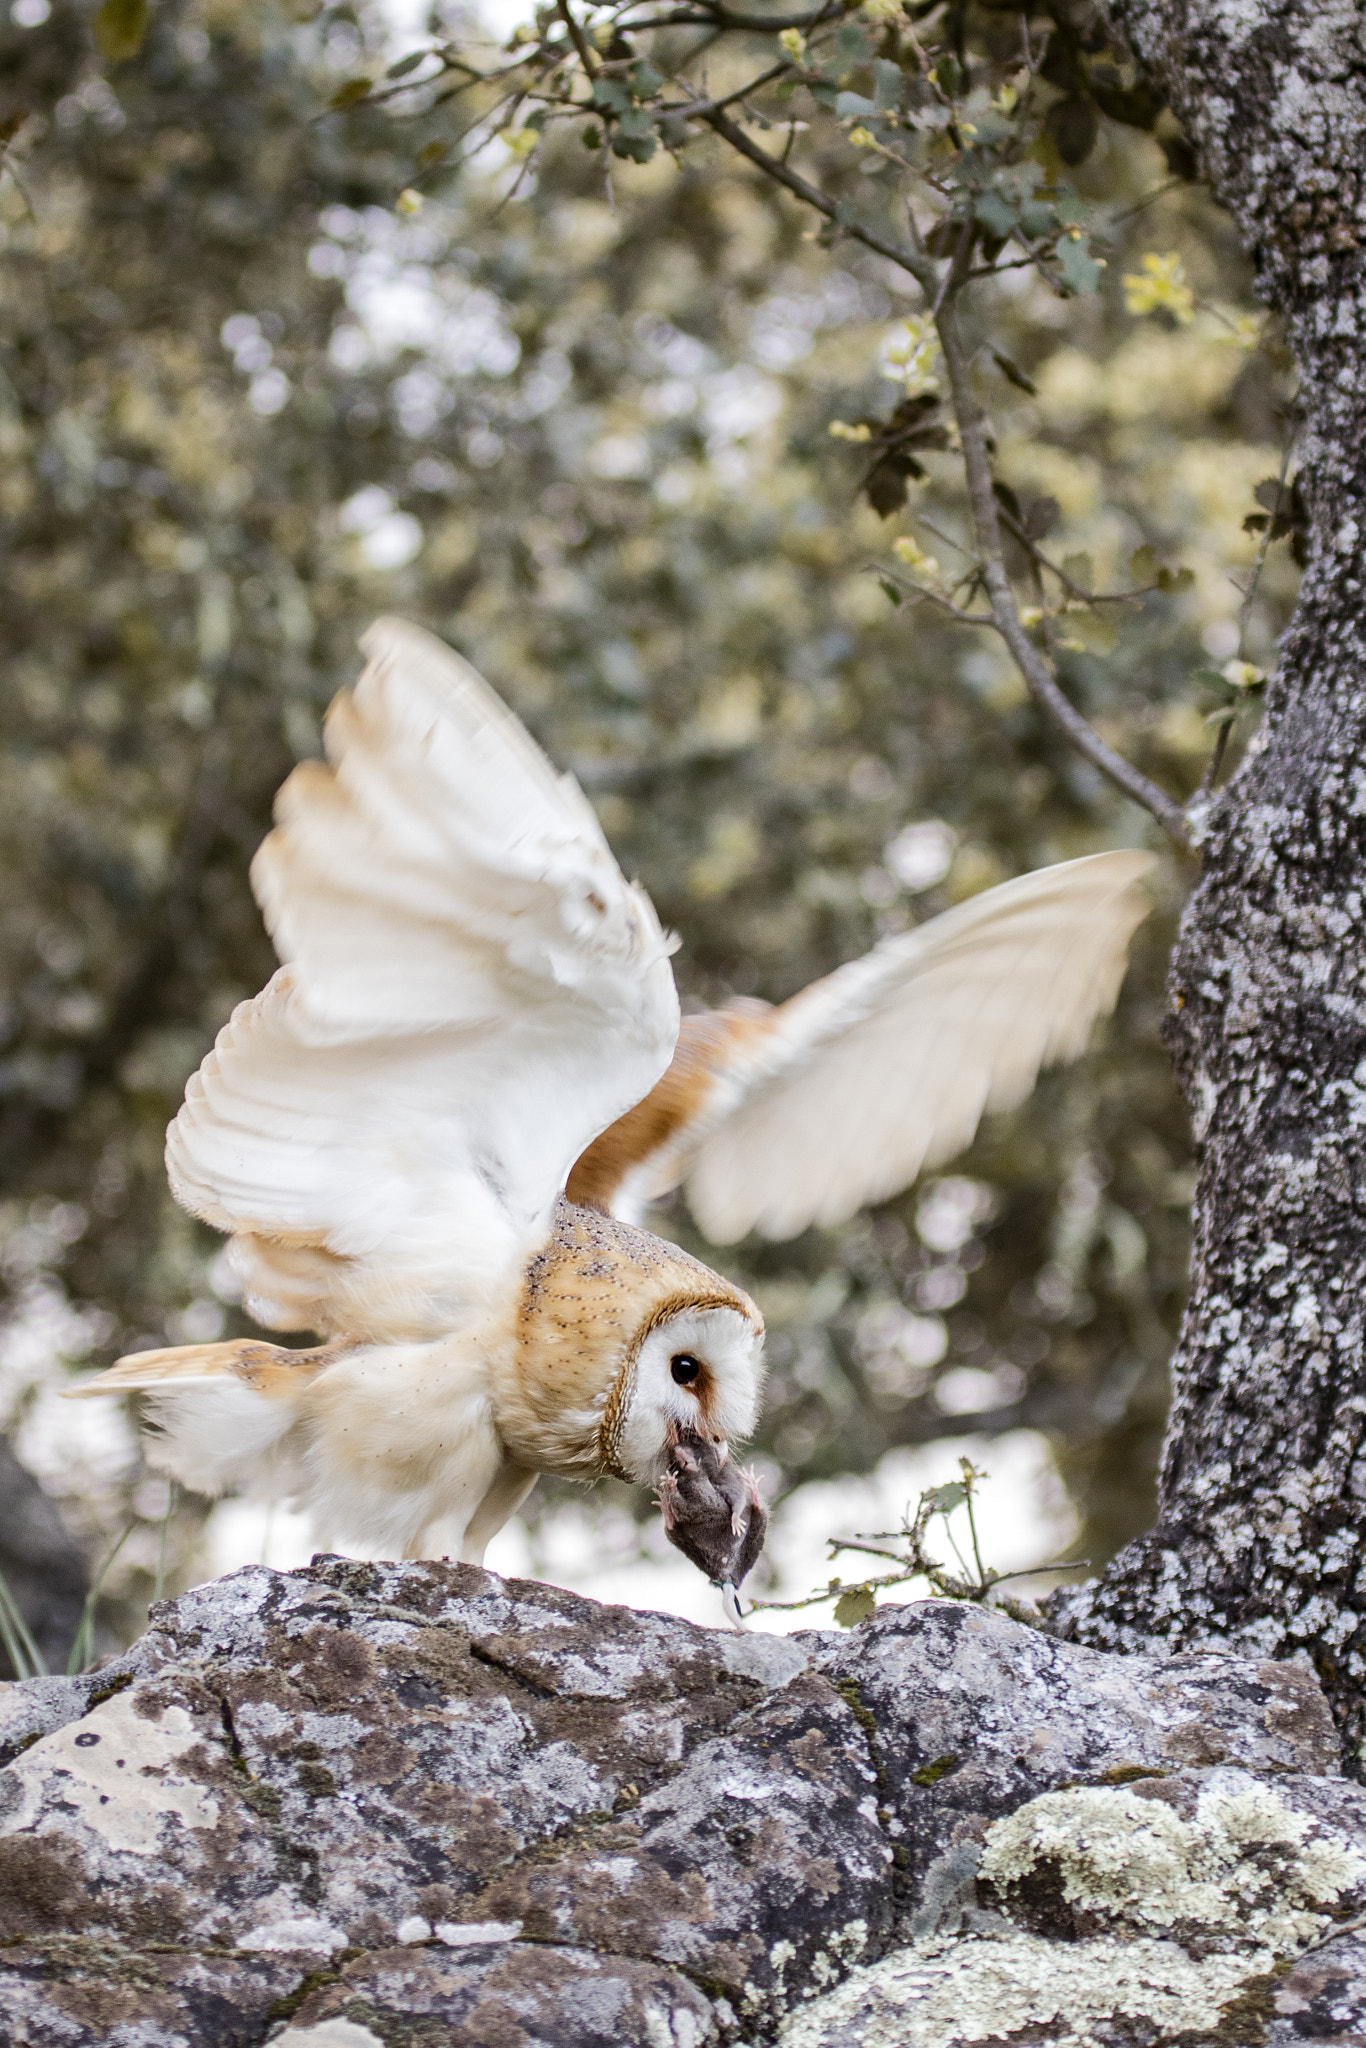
684	1368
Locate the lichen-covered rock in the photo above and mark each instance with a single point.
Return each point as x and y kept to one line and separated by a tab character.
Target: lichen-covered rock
1322	1997
415	1804
970	1722
1127	1917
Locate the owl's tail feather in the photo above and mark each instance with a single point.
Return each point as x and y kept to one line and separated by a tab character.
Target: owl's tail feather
268	1369
223	1416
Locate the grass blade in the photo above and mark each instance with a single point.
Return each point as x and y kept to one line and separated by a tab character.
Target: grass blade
172	1496
25	1657
83	1647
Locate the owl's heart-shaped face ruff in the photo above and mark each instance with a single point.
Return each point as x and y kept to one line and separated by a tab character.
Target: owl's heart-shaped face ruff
624	1343
697	1373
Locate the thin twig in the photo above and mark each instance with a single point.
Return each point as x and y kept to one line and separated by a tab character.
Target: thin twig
1038	677
922	590
1139	206
1333	1934
721	18
576	36
1245	609
811	195
698	110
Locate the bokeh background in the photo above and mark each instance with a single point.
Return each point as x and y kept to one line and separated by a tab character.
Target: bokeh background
250	396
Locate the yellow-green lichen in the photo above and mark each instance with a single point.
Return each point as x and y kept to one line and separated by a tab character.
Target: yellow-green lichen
948	1993
1245	1865
1184	1915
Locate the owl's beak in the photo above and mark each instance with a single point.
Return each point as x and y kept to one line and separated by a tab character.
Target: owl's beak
712	1511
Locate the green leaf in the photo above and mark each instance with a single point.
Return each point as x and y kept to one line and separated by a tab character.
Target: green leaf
645	80
635	136
890	590
995	213
851	106
1144	566
1183	579
352	93
1077	569
1209	679
1096	631
1037	219
1080	270
120	26
406	64
1013	374
942	1500
612	94
852	45
854	1606
944	237
946	74
887	84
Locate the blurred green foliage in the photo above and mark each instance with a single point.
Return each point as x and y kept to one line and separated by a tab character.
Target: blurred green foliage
249	397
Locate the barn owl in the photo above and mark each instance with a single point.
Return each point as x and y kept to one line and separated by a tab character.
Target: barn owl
429	1134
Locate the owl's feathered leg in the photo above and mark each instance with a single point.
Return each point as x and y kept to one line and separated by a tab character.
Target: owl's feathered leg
499	1504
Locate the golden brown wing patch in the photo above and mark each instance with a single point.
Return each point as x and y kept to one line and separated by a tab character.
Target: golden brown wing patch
678	1099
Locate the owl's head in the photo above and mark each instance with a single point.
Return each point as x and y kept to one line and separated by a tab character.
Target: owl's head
697	1371
625	1344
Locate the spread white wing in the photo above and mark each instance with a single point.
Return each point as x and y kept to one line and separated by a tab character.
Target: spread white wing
843	1095
471	993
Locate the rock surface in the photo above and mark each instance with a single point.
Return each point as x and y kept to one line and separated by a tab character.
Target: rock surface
417	1804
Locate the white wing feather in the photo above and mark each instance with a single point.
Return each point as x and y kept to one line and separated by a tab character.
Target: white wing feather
887	1066
472	991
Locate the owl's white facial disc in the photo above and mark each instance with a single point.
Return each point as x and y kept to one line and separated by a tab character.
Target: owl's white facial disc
702	1370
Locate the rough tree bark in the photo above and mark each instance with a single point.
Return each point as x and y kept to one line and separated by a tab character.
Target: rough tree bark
1259	1538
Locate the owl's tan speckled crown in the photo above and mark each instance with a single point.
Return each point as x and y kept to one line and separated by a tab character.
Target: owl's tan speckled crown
592	1295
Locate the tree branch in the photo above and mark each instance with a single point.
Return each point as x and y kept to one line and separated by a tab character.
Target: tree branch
722	18
920	268
1039	679
577	37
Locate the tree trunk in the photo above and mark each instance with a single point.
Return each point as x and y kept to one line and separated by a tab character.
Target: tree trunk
1259	1536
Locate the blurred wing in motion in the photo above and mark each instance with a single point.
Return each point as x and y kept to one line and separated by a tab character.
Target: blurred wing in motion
472	992
777	1119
